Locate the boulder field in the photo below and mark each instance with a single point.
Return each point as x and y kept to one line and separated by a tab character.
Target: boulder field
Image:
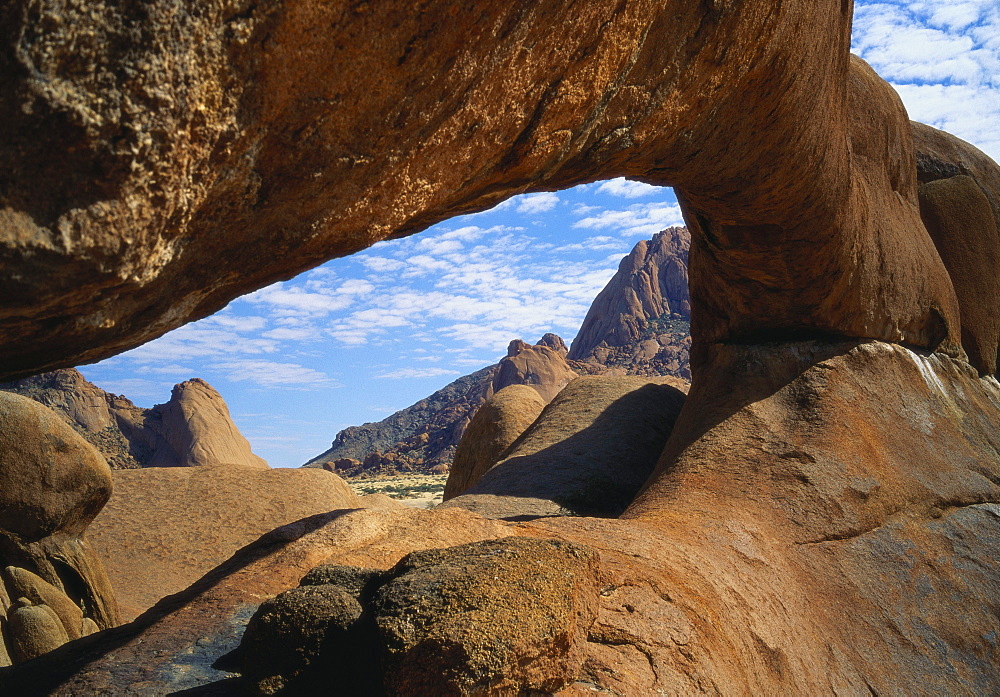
53	586
824	514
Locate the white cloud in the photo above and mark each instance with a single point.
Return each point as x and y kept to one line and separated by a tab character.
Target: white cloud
238	323
291	333
942	58
273	374
955	16
285	298
315	296
470	233
408	373
599	243
198	340
170	369
438	245
638	220
381	264
628	189
975	121
530	204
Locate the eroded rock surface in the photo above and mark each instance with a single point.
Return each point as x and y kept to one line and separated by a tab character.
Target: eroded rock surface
164	528
160	162
174	646
172	175
305	639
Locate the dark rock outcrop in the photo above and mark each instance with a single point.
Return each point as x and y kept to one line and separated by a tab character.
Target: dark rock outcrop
192	428
505	616
306	640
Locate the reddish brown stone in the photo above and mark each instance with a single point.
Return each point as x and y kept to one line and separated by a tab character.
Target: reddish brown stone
242	145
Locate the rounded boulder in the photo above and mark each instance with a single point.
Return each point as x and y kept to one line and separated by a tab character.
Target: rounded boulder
51	479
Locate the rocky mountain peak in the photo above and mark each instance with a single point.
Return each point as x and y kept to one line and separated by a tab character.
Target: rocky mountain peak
554	342
651	284
196	429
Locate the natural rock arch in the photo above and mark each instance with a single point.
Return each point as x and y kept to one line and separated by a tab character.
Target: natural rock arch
802	471
162	161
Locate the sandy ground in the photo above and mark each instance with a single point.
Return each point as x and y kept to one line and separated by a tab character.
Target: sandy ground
418	490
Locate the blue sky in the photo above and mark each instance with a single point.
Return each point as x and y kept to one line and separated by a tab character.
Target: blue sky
360	337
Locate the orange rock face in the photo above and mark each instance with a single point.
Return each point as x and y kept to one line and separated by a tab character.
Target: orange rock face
960	205
196	429
541	367
650	282
243	146
493	429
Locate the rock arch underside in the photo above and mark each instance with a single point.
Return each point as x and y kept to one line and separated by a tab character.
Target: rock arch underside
824	516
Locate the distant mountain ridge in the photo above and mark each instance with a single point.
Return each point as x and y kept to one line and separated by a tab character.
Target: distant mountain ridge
426	427
423	437
639	324
192	428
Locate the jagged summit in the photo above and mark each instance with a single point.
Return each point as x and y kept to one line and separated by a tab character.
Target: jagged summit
651	285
